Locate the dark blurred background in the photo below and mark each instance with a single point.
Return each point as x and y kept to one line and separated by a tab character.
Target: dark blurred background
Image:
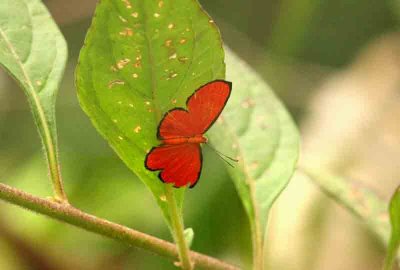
336	66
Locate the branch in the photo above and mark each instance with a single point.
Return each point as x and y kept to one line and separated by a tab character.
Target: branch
69	214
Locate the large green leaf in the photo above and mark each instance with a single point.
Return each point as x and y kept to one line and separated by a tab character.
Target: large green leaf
34	52
140	59
256	129
394	243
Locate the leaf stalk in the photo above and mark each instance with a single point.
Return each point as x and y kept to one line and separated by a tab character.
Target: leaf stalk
178	229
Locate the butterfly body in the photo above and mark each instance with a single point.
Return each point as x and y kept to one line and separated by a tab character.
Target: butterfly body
194	139
181	132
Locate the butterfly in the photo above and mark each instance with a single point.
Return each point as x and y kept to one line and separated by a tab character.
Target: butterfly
181	132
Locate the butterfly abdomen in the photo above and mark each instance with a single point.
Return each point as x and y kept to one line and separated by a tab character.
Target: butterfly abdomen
181	140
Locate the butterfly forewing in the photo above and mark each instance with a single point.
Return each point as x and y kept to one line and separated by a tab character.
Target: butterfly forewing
203	108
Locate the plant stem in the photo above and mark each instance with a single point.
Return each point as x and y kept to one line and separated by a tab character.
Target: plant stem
258	259
257	242
178	229
74	216
55	173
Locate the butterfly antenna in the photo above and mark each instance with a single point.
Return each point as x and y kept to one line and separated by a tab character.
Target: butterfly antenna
223	156
227	162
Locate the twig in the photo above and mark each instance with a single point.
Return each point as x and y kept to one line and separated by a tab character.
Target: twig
69	214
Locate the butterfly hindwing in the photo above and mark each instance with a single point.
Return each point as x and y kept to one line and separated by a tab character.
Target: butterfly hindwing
180	164
203	108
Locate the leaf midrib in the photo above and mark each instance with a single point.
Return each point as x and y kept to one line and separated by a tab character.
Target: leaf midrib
251	184
157	112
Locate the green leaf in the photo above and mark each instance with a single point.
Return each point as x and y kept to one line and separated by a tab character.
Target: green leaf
34	52
140	59
256	129
394	242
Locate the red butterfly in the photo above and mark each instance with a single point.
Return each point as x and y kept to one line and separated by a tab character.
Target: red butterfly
179	156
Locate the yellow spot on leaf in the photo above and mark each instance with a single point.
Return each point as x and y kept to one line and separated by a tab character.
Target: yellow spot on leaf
168	43
122	19
121	139
174	101
38	82
137	129
248	103
183	59
173	56
112	83
135	14
115	120
171	26
172	75
126	32
156	15
135	75
183	41
211	21
163	198
147	103
131	105
160	4
128	4
122	63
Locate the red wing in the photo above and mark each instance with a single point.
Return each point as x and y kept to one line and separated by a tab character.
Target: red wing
179	164
203	108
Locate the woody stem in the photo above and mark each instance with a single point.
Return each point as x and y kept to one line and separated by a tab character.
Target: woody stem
178	229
